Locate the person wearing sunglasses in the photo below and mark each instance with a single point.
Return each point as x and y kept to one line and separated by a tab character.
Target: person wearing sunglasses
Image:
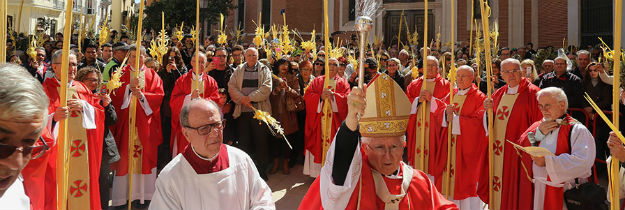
23	118
209	174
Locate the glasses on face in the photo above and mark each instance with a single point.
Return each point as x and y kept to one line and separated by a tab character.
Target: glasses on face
7	150
208	128
381	149
343	64
510	71
560	64
318	64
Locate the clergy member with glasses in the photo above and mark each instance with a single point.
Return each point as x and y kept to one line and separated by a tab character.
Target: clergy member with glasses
209	174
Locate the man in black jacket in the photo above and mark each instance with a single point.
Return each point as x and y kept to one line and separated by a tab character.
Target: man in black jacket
91	58
567	81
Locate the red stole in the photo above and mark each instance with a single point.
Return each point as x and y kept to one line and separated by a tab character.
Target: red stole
202	166
441	88
554	196
182	89
312	97
148	126
516	190
421	194
435	150
471	145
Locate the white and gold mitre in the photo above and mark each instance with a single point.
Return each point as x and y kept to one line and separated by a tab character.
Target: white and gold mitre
387	111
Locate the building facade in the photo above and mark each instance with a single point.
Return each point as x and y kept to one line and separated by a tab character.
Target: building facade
541	22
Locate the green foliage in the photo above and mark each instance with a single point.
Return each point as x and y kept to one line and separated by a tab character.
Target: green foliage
548	53
178	11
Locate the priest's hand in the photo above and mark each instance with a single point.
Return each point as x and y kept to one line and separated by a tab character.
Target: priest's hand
356	103
195	93
449	112
488	104
326	94
60	113
539	161
425	96
105	98
548	126
134	88
617	148
74	105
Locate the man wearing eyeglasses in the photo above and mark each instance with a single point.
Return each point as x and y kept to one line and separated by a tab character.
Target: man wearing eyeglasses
183	92
209	174
37	66
85	130
515	108
23	116
567	81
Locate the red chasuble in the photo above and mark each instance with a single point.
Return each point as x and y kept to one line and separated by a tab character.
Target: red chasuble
433	148
39	175
516	192
312	98
94	138
468	147
441	88
554	196
148	126
181	90
421	194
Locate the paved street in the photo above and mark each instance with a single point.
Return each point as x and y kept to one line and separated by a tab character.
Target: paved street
288	190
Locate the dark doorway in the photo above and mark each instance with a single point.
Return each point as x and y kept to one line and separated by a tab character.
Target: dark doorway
596	21
414	18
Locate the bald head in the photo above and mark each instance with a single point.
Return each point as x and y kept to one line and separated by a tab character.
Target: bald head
464	77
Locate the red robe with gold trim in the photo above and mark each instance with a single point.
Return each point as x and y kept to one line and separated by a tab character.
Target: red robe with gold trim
516	189
181	90
148	126
471	145
94	142
312	98
441	88
421	194
435	149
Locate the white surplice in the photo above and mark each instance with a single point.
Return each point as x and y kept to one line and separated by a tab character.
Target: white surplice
15	197
564	168
237	187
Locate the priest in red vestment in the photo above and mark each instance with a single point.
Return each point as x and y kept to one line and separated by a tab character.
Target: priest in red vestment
85	120
515	108
148	91
315	98
436	84
367	172
431	151
464	116
571	143
182	94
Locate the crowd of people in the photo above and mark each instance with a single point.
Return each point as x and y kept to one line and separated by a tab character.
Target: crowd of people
184	98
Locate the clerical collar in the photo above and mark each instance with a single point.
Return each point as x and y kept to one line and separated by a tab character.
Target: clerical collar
464	91
203	158
68	82
513	90
196	77
395	174
431	80
132	68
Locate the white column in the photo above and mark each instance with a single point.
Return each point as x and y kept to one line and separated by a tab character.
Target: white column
515	23
573	21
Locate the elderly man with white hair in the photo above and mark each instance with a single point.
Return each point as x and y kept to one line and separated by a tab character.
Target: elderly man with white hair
571	143
316	97
209	174
463	116
250	87
23	116
515	108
